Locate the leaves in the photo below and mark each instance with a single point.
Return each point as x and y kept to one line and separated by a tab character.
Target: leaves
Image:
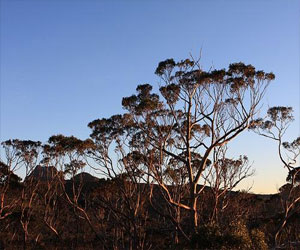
170	93
62	144
280	113
166	65
143	102
294	175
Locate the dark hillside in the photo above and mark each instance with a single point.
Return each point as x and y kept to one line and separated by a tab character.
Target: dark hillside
109	216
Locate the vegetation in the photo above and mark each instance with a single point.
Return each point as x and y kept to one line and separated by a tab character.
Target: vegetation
168	182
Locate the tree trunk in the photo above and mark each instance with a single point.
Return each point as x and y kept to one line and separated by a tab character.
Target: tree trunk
193	206
214	216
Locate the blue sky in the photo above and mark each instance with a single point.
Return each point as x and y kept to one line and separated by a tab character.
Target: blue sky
66	63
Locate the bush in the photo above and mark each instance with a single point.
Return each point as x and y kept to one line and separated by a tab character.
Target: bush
258	239
236	237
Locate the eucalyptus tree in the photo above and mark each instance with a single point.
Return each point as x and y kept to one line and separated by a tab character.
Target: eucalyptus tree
274	127
8	180
23	154
195	113
200	111
115	158
224	175
67	155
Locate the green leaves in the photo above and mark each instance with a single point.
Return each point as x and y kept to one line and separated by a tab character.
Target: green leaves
281	113
111	128
144	101
164	66
170	93
27	150
293	145
239	76
275	115
294	175
61	144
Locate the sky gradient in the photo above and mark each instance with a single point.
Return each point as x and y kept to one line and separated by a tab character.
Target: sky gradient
66	63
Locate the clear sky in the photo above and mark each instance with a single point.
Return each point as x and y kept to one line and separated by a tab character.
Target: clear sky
66	63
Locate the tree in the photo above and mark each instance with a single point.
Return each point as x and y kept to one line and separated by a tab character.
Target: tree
125	170
24	154
199	111
7	176
274	127
67	153
8	181
223	176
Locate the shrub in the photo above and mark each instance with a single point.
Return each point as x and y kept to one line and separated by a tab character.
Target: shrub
258	239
